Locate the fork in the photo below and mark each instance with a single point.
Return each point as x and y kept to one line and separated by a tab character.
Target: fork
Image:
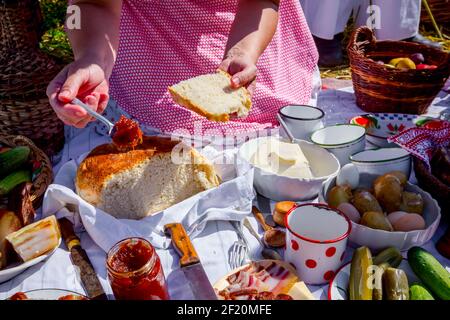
239	249
96	115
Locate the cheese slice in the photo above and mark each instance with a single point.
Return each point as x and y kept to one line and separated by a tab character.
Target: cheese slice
282	158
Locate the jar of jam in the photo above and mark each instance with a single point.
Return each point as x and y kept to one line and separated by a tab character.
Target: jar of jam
135	272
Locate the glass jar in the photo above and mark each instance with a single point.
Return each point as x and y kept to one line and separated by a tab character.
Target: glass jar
135	272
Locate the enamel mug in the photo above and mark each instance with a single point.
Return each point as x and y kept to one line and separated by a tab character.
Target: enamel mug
302	120
316	241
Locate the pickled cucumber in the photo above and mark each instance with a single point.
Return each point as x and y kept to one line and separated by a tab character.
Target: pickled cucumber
395	284
391	255
360	287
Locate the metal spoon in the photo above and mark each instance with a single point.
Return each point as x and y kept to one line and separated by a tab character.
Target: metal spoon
286	129
272	237
266	252
96	115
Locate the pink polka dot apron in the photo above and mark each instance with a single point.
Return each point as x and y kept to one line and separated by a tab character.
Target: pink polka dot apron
164	42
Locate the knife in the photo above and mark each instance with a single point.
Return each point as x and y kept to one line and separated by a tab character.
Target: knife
80	259
190	263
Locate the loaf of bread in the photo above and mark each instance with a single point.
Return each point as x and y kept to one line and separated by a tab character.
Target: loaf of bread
211	96
136	183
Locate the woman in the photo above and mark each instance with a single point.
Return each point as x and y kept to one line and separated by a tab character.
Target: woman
164	42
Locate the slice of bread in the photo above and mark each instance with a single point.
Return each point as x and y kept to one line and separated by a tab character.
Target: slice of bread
211	96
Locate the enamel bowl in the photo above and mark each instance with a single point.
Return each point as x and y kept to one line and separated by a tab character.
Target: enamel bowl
380	126
382	160
379	239
276	187
342	140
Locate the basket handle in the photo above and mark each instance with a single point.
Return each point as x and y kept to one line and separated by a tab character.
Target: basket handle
361	37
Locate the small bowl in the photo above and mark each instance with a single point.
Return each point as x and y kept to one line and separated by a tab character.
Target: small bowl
283	188
302	120
342	140
382	160
380	126
379	239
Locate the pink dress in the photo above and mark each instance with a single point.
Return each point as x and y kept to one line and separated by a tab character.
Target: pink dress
164	42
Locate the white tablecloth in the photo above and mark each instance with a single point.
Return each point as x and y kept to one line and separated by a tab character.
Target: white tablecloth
212	245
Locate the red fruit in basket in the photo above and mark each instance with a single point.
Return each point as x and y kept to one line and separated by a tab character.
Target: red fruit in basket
423	66
4	149
418	58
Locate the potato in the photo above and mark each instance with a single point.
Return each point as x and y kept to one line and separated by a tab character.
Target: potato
376	220
9	223
364	201
412	203
400	176
339	195
388	191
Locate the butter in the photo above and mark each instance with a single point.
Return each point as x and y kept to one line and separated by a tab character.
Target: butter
282	158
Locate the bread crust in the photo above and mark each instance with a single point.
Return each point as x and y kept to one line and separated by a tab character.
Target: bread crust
186	102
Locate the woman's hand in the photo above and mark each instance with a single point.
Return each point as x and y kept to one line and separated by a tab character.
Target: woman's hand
242	67
85	80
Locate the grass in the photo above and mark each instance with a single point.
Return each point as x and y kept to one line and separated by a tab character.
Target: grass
55	41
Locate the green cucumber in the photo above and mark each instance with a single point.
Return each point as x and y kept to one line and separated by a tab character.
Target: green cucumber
9	182
13	159
430	272
419	292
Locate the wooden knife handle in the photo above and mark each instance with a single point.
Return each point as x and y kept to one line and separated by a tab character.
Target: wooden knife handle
70	239
260	218
182	244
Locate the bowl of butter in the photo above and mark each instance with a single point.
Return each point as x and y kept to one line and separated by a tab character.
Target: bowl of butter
286	170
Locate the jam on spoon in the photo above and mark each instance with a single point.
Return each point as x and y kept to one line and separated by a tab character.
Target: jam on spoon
127	134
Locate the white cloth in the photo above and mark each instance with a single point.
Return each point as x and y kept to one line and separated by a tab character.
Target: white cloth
212	244
399	19
230	201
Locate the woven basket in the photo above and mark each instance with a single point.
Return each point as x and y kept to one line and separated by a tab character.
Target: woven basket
44	178
428	182
441	13
24	75
386	90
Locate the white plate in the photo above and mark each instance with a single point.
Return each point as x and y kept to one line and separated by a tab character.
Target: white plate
379	239
338	287
380	126
50	294
14	270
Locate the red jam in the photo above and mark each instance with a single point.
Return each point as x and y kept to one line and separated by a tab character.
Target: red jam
127	133
135	272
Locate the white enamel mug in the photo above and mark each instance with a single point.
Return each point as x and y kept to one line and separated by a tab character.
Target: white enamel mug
316	241
302	120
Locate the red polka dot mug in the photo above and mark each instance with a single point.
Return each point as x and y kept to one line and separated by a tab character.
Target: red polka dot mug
316	240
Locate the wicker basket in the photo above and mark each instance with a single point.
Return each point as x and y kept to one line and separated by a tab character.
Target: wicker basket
441	13
44	178
428	182
24	75
382	89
